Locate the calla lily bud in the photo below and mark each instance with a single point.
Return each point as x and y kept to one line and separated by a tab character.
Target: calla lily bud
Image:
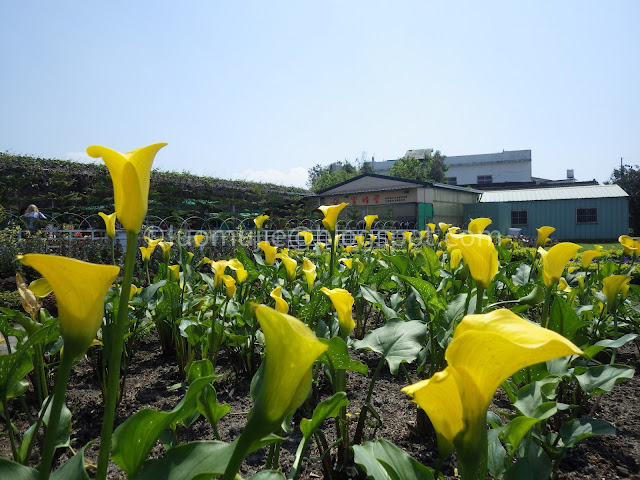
175	272
289	267
166	250
613	285
109	223
197	239
80	288
218	268
343	303
309	269
130	173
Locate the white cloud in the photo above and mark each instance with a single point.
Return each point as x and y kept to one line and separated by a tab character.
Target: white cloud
80	157
296	176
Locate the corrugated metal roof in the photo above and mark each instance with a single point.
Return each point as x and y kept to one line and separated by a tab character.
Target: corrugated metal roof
556	193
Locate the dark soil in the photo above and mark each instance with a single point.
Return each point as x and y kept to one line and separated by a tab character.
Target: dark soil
152	373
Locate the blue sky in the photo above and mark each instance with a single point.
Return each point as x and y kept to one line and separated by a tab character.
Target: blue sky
264	90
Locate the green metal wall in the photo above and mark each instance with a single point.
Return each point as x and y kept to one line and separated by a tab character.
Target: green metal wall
613	217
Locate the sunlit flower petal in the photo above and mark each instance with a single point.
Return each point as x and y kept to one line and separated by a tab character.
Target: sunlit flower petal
612	286
166	249
330	219
407	236
130	174
309	269
456	258
343	303
543	235
444	227
479	254
230	285
79	288
290	267
368	220
197	239
348	262
281	304
269	252
175	272
555	260
109	223
588	256
260	220
479	225
308	237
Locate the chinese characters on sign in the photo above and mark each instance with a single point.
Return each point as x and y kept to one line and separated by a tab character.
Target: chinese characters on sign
363	200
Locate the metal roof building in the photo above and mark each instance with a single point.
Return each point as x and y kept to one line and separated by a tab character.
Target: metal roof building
589	212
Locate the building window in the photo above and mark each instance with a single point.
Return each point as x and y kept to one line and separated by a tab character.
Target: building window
519	217
586	215
452	180
485	179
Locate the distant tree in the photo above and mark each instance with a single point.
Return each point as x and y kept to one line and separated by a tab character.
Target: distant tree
628	178
321	177
427	169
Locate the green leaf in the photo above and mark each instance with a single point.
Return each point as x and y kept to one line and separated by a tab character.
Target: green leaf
378	299
64	426
515	430
426	290
535	394
137	435
199	369
241	255
208	405
337	357
496	453
401	263
580	428
382	460
432	265
15	366
397	341
188	460
593	350
521	275
602	378
15	471
73	469
328	408
268	475
564	320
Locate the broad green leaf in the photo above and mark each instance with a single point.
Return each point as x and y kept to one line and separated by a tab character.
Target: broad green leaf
337	357
64	426
149	292
241	255
533	395
73	469
378	299
515	430
521	275
317	307
382	460
137	435
397	342
401	263
15	366
426	290
580	428
15	471
328	408
208	405
593	350
432	264
496	453
564	320
199	369
602	378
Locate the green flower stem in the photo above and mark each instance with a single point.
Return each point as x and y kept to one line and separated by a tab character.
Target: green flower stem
113	253
334	247
340	385
115	358
146	269
242	449
479	297
59	390
544	320
357	437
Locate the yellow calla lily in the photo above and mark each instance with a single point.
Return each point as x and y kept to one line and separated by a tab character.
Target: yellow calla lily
348	262
343	303
109	223
368	220
132	291
444	227
308	237
373	239
260	220
439	253
555	260
289	266
330	219
479	254
455	258
432	227
146	253
291	348
309	269
219	268
389	236
269	252
543	235
348	248
230	285
166	249
588	256
479	225
563	286
79	288
359	265
435	238
175	272
407	236
598	248
41	287
197	239
360	241
241	272
613	285
505	242
130	174
281	304
486	349
321	246
629	245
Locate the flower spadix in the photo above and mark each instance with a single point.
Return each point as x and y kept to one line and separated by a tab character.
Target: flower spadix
343	303
331	213
543	235
291	348
555	260
79	288
130	174
486	350
109	223
479	254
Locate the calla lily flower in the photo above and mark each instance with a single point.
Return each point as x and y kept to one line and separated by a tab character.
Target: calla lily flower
407	236
130	174
230	285
368	220
308	237
479	225
360	241
260	220
281	304
219	269
330	219
348	248
269	252
486	350
291	348
432	227
479	254
41	287
435	238
389	236
543	235
563	286
348	262
321	246
598	248
334	246
505	242
175	272
373	239
343	303
79	288
359	265
197	239
629	245
289	266
455	258
588	256
166	249
149	249
309	269
613	285
109	223
555	260
423	233
444	227
241	272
